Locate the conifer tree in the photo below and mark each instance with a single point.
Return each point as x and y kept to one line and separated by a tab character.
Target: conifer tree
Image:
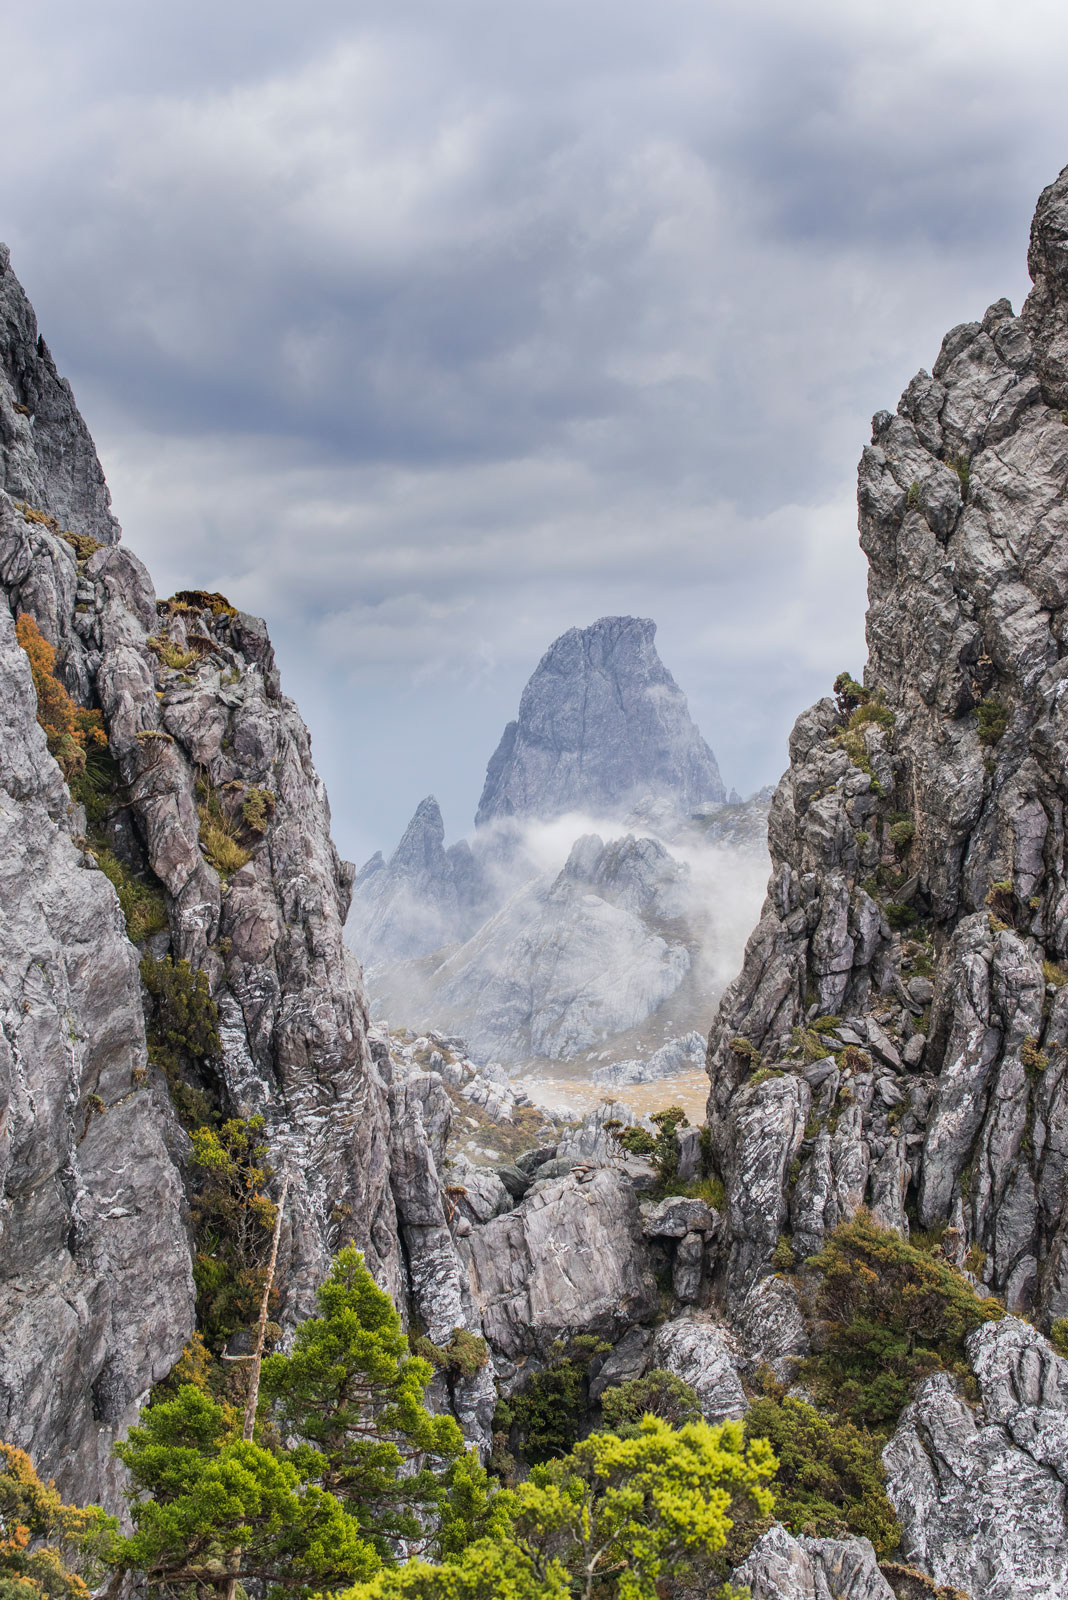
351	1395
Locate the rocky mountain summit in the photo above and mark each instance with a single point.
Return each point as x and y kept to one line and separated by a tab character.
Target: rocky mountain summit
532	961
602	724
916	929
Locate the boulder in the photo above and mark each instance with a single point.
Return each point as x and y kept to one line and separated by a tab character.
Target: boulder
982	1499
780	1567
569	1259
704	1354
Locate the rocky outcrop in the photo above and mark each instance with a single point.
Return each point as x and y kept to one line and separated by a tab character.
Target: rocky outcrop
569	1259
678	1055
424	897
95	1261
531	961
917	916
602	724
96	1288
983	1500
703	1354
47	459
780	1567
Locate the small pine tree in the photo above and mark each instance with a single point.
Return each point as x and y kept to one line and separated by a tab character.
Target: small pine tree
352	1391
210	1507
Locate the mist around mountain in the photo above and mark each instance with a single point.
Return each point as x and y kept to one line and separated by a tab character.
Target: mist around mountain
601	904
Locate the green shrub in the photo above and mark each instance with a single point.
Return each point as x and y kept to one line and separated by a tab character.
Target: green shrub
257	809
960	465
1033	1060
658	1394
830	1481
1058	1336
182	1031
97	786
811	1043
849	693
143	904
186	1017
783	1258
464	1355
196	601
872	711
901	916
547	1415
233	1219
171	655
891	1315
220	843
902	833
662	1149
710	1190
1054	974
992	718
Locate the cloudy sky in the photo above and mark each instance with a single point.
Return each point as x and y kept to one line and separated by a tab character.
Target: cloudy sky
431	328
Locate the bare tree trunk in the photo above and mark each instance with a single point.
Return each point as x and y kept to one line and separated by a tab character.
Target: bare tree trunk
253	1400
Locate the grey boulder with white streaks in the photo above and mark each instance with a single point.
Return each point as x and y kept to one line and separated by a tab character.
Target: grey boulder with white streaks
983	1499
780	1567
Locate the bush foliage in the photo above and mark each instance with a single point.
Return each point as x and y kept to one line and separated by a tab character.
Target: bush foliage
69	729
47	1549
890	1315
830	1481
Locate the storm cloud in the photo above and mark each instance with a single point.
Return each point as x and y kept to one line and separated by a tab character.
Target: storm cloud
429	330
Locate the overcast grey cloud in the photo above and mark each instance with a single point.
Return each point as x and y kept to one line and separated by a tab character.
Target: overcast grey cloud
429	330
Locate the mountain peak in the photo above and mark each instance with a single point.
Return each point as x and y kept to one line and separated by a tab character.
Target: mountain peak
601	724
47	459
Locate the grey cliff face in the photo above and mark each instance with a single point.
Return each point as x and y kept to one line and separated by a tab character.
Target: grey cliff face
919	898
982	1497
602	724
47	458
95	1259
96	1286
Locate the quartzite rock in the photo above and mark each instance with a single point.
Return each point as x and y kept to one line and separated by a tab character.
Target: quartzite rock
705	1355
96	1287
47	458
983	1499
780	1567
95	1259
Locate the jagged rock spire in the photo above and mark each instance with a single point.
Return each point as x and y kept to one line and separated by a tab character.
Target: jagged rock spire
602	724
